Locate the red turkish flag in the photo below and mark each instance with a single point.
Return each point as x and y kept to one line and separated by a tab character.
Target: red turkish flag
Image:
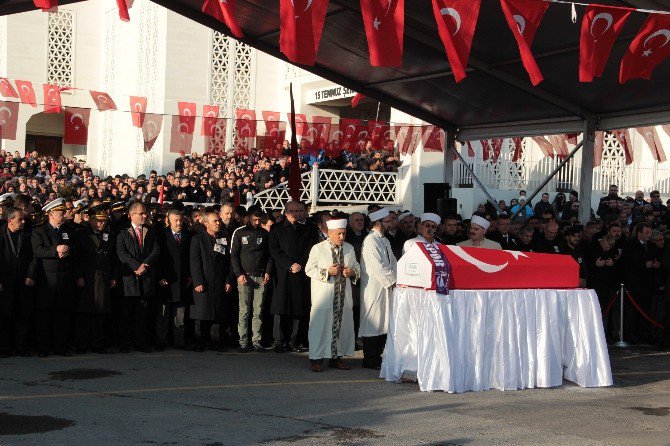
301	126
408	138
624	139
9	116
648	49
379	132
600	27
46	5
318	132
151	128
384	22
187	112
215	144
433	138
356	99
518	149
138	107
301	28
523	18
223	11
180	140
545	146
651	138
666	129
486	149
26	92
210	115
7	89
471	151
560	144
52	102
245	130
275	133
123	10
456	22
572	138
598	146
497	148
76	125
348	133
103	100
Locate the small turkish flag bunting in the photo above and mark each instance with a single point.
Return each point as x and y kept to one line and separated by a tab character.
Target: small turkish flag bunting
560	144
623	136
245	128
103	100
545	146
187	112
210	114
9	115
648	49
223	11
151	128
433	139
215	144
598	146
7	89
300	124
76	125
486	149
651	138
180	140
138	107
26	92
600	27
384	22
123	10
301	26
518	149
52	101
46	5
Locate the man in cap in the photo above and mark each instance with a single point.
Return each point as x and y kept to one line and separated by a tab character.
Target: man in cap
98	268
426	229
80	209
55	280
332	267
478	228
378	275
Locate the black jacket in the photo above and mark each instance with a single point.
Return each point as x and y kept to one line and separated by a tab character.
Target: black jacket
132	258
250	251
16	264
98	266
510	242
174	267
210	267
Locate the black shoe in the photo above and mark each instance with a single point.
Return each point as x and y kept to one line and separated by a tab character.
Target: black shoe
279	348
65	353
199	348
220	348
100	351
144	349
42	354
25	354
242	349
371	364
124	349
81	351
160	347
258	348
290	347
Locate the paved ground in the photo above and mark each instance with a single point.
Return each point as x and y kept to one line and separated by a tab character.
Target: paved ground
272	399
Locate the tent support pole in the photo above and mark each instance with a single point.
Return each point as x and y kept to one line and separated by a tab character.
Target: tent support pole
551	175
449	145
586	174
479	183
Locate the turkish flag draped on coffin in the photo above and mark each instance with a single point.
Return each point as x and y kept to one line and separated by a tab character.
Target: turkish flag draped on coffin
26	92
138	107
187	112
103	100
301	26
180	139
52	102
223	11
210	114
456	23
7	89
384	22
523	18
600	27
9	116
151	128
648	49
76	125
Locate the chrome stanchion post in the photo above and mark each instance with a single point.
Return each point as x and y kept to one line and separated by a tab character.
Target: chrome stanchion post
622	296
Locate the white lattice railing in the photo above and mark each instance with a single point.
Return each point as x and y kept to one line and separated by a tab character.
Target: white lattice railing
341	187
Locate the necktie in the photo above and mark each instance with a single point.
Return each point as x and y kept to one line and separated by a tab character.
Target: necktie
177	237
138	234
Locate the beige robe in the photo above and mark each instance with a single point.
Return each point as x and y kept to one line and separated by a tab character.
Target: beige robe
486	243
378	275
321	316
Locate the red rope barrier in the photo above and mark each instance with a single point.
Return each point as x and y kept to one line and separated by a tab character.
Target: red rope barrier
611	304
645	315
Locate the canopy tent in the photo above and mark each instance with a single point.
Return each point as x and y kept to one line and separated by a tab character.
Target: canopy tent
496	99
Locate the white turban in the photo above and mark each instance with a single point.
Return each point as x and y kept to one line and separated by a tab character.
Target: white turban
429	216
404	214
480	221
336	224
378	215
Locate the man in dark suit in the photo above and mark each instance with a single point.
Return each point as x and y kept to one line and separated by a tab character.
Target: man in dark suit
290	243
174	280
138	252
16	282
98	266
55	280
228	336
210	270
501	234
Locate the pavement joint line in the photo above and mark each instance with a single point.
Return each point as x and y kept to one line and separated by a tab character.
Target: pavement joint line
74	358
183	388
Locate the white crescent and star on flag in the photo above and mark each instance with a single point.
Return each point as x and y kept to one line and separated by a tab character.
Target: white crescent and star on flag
456	16
661	32
481	265
607	17
520	23
4	120
72	119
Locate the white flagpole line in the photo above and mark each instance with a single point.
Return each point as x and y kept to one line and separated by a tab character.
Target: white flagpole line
646	11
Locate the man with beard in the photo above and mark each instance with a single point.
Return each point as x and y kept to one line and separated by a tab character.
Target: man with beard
478	227
426	229
98	267
290	243
378	276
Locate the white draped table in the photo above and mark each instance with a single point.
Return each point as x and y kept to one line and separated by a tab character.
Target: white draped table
500	339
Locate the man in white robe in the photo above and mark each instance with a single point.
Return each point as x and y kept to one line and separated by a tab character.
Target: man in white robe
476	236
378	276
332	267
426	229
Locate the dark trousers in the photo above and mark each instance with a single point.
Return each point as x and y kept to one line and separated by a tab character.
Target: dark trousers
89	330
285	329
134	321
52	327
205	335
373	347
170	318
189	326
22	323
5	334
228	335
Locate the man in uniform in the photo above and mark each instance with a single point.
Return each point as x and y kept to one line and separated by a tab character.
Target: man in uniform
138	252
332	267
98	268
478	228
426	230
55	278
378	275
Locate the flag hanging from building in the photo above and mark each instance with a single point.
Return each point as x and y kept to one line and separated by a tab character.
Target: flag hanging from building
181	140
7	89
497	144
215	143
598	148
600	27
138	107
545	146
433	139
651	138
123	10
486	149
151	129
224	12
648	49
523	18
245	130
560	144
46	5
187	113
471	151
103	100
456	23
623	136
9	116
301	26
76	125
300	124
384	22
210	115
26	92
518	149
52	101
